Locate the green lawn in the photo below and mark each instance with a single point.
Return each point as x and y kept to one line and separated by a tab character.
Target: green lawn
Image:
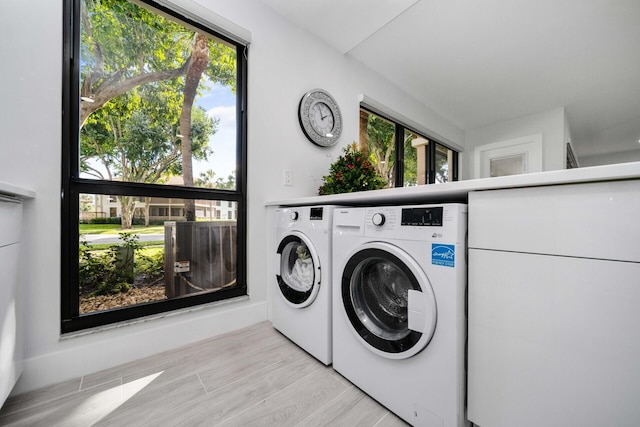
115	229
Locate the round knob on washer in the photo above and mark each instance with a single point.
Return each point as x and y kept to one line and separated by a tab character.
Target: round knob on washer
378	219
294	215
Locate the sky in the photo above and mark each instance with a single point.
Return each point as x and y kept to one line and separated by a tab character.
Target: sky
219	102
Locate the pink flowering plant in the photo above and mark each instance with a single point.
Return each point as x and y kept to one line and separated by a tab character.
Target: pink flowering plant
352	171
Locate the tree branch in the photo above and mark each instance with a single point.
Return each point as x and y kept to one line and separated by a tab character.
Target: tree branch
98	72
105	92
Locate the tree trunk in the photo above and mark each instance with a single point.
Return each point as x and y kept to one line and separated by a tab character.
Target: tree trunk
364	135
199	62
127	206
147	202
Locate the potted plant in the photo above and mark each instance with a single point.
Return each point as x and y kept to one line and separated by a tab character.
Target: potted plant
351	172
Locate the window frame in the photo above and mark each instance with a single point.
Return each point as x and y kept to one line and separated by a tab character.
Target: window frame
72	185
430	149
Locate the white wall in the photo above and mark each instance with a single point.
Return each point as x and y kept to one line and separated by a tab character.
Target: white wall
551	124
610	158
284	63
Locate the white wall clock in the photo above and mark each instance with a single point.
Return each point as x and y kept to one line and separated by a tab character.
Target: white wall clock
320	117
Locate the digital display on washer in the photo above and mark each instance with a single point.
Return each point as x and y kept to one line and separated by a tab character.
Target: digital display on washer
422	216
316	214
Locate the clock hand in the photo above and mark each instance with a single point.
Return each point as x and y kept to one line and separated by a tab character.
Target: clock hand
322	114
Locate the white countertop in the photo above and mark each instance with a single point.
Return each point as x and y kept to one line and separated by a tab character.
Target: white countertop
458	191
15	191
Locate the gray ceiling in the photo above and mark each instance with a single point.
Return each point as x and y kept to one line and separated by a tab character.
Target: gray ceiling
484	61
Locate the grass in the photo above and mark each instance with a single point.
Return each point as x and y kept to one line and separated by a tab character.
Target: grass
104	246
115	229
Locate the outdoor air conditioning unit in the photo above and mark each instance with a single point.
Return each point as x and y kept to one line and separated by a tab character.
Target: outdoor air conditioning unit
199	256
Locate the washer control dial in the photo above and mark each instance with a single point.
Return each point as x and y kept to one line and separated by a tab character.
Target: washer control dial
294	215
378	219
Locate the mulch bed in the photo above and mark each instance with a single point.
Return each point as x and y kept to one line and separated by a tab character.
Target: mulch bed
135	295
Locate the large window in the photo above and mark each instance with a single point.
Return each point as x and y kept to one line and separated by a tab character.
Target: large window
403	156
154	163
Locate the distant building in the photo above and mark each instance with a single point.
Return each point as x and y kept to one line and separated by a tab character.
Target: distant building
160	208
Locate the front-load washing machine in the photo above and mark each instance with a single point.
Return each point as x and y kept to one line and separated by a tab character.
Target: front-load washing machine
399	323
301	297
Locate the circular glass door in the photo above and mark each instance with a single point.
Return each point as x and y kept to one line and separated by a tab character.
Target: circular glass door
299	271
379	283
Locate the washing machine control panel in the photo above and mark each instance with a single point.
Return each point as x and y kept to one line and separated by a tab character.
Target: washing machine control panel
441	223
422	216
378	219
315	214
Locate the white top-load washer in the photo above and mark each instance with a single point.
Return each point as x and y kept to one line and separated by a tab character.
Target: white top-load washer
399	324
554	305
301	295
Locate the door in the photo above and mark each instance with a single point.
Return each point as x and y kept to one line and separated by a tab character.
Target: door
299	270
388	300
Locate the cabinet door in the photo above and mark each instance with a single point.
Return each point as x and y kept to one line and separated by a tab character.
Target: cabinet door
553	340
10	333
595	220
10	220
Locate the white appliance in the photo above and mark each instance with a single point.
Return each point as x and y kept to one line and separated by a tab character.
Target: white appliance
554	306
301	300
399	324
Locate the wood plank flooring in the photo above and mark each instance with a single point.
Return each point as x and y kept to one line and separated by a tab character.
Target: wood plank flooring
251	377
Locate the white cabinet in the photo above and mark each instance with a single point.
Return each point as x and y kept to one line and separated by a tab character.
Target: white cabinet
554	306
553	340
10	342
10	323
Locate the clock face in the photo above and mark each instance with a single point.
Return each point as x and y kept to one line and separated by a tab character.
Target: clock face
320	118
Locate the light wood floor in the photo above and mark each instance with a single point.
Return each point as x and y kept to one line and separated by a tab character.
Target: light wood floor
251	377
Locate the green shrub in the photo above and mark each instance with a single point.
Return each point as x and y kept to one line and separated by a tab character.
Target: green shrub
152	266
106	220
137	220
351	172
110	271
105	288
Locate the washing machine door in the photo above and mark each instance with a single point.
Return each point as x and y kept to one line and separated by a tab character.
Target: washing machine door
298	274
388	300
